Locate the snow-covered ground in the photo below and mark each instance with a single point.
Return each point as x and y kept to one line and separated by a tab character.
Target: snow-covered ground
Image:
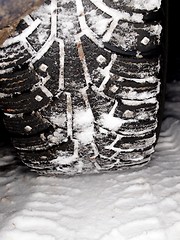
139	204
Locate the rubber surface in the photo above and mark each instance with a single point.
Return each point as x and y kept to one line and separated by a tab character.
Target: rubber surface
80	82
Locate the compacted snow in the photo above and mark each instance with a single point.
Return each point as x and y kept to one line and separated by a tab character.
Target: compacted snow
142	204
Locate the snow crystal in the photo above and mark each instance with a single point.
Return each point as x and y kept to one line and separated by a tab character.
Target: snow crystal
110	122
99	22
116	14
155	30
145	4
86	135
83	118
60	160
83	125
59	119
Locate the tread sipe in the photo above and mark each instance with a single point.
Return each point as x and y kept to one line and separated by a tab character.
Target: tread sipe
80	85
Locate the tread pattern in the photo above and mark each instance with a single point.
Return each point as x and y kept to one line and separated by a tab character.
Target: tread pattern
79	85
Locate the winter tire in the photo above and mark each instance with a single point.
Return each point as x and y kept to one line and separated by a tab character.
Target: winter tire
82	85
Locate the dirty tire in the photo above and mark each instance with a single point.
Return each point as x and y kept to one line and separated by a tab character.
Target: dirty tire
81	85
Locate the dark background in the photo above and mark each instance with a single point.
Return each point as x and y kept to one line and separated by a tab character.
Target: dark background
173	66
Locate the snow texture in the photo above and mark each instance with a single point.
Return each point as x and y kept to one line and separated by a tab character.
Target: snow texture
141	204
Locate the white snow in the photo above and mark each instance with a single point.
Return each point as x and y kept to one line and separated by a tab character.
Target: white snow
98	22
110	122
83	124
145	4
141	204
118	15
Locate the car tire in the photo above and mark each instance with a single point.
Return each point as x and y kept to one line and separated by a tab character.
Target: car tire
82	85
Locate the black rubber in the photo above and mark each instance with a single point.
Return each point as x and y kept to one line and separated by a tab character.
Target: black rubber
82	85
